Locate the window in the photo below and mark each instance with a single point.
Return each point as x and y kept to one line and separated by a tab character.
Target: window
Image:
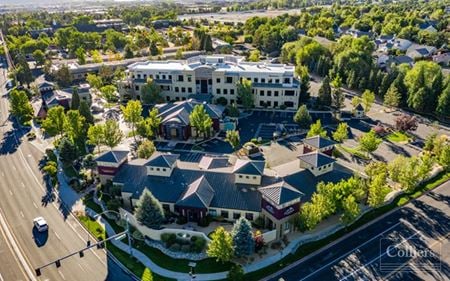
164	169
183	98
255	79
167	98
212	212
269	103
231	91
287	80
197	82
261	93
277	81
136	87
157	169
269	93
177	89
189	90
217	80
240	176
139	76
166	207
289	104
229	79
145	76
247	177
180	78
254	177
261	103
164	77
218	91
151	76
231	101
209	81
225	91
289	93
275	104
320	168
263	80
270	80
249	216
151	168
189	78
275	93
253	91
224	214
236	216
157	76
183	89
170	77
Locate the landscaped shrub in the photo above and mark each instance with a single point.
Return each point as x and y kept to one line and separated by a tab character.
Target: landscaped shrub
199	245
194	238
185	248
258	223
181	220
275	245
175	247
205	221
168	239
137	235
113	204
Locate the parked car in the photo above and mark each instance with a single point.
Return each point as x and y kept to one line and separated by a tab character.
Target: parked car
31	136
40	224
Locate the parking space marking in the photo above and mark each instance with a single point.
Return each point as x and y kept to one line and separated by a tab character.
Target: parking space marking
23	185
34	204
57	236
21	214
62	275
10	192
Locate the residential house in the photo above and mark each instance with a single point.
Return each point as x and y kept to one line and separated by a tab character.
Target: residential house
421	51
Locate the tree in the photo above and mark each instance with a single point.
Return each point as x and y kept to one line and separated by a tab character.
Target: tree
20	106
232	137
39	57
338	98
23	73
132	114
368	97
109	93
150	92
80	53
54	123
221	245
75	103
149	211
94	81
392	97
309	216
324	96
369	142
302	117
243	242
378	189
351	210
341	132
443	107
355	101
254	55
444	157
144	128
86	112
67	150
146	149
236	273
96	135
316	130
112	133
406	123
200	120
63	76
96	56
75	128
147	275
244	91
302	72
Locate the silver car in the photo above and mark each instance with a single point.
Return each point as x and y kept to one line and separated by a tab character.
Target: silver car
40	224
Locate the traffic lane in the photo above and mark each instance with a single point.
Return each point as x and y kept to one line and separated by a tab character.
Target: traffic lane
11	268
428	220
61	239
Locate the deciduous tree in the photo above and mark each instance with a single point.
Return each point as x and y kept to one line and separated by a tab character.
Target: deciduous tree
351	210
341	132
20	105
150	92
316	130
232	137
302	117
200	120
244	91
132	114
368	97
54	123
221	245
369	142
96	135
113	135
406	122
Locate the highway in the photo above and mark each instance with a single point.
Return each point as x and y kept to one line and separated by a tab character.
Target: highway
421	226
21	191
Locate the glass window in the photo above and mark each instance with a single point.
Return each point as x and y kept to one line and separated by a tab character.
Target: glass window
217	80
275	93
183	89
247	177
164	77
287	80
170	77
225	91
261	93
240	176
164	169
212	212
269	93
157	76
289	93
263	80
224	214
177	89
218	91
189	90
231	91
166	207
139	76
136	87
277	81
157	169
189	78
229	79
255	79
236	215
180	78
249	216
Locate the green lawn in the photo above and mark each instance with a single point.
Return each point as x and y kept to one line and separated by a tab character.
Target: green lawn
398	137
354	151
89	202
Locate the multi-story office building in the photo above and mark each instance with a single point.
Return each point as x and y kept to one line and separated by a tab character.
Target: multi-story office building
213	78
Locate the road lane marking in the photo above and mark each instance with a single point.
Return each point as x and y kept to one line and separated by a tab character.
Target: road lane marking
23	185
10	192
349	252
377	258
21	213
1	277
34	204
57	236
82	268
62	275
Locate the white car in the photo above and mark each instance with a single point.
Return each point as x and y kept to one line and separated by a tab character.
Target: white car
40	224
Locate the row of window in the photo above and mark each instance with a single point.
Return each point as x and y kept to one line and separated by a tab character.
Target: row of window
247	177
158	169
183	89
322	167
225	91
275	103
225	214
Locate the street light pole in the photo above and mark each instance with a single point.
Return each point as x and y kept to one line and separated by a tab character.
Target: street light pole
130	248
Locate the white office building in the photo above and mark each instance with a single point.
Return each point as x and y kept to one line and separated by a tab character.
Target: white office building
215	77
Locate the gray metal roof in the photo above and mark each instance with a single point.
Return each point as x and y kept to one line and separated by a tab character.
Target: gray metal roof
198	194
213	162
180	111
162	160
280	192
112	156
316	159
318	142
359	107
249	167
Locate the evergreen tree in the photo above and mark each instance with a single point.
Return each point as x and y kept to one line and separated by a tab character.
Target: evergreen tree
302	72
302	117
352	81
243	242
368	97
86	112
149	211
392	97
67	150
151	93
75	104
324	97
236	273
221	245
338	98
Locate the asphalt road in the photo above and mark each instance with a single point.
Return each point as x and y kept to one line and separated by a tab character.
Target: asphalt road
22	189
421	227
